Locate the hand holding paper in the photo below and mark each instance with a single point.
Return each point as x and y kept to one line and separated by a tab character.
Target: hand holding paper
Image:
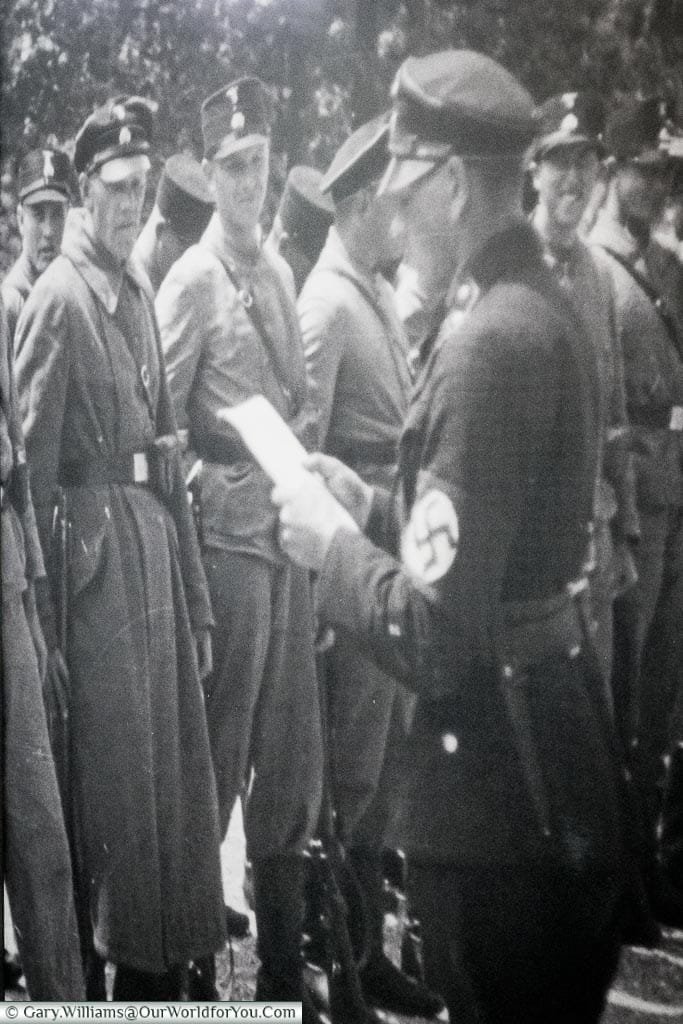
309	514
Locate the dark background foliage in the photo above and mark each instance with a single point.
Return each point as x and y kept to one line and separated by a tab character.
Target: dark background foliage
328	63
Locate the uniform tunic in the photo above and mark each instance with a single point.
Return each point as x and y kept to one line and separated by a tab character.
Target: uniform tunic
262	701
356	361
92	387
36	852
616	518
654	392
508	768
15	290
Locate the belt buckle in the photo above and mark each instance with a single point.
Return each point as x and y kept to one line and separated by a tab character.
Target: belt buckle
676	420
140	468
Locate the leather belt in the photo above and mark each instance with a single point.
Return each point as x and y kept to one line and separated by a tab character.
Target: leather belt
531	631
131	468
372	453
220	448
669	418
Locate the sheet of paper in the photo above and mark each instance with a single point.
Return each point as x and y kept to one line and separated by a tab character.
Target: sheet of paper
267	436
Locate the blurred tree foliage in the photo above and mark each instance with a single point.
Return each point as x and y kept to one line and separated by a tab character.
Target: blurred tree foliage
328	63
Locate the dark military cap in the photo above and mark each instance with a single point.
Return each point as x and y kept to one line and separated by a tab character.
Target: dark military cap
633	130
120	129
183	196
305	213
570	119
360	160
44	177
454	102
235	117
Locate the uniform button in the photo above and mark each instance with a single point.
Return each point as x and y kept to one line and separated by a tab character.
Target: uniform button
508	671
574	652
449	742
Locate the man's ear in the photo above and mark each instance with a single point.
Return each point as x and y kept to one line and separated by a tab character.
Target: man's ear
208	168
86	189
459	184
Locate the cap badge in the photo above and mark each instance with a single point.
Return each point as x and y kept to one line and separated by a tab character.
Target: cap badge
119	112
430	541
237	121
569	100
569	124
48	165
231	94
124	136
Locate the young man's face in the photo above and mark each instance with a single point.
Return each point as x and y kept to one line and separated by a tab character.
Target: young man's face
41	226
642	192
240	183
116	211
564	179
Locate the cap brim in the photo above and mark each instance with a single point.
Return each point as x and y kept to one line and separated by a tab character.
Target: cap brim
233	144
403	172
121	167
45	195
559	140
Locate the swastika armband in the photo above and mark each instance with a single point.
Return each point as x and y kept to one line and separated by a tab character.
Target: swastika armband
430	540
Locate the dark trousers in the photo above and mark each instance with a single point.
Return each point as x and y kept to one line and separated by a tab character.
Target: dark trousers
517	945
262	704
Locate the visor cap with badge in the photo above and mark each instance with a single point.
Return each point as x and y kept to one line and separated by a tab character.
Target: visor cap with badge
45	176
570	119
456	102
115	139
235	117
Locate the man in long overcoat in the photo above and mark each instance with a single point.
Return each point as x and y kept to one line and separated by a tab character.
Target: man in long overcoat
36	862
128	590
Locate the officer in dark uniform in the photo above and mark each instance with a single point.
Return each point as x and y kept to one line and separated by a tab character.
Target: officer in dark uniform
182	209
510	810
44	176
303	218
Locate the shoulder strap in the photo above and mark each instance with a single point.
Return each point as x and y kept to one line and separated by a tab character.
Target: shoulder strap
656	298
247	299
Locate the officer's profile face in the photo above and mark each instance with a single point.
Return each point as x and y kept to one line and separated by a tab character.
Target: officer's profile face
426	211
240	182
41	226
116	211
564	179
387	225
642	190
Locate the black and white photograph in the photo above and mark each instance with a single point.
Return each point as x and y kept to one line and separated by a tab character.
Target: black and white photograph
341	490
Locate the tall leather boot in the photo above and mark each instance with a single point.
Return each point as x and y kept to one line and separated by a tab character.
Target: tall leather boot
133	986
279	908
384	985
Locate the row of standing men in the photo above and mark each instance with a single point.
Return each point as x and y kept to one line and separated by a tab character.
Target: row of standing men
507	791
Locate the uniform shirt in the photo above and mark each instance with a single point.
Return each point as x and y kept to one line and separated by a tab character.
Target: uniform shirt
22	558
653	373
497	473
589	281
216	357
15	289
356	361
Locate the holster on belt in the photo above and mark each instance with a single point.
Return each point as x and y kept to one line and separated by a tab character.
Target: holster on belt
531	632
